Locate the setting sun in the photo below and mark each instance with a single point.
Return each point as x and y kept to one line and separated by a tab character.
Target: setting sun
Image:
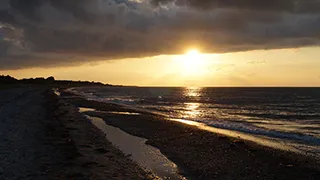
192	63
192	59
193	52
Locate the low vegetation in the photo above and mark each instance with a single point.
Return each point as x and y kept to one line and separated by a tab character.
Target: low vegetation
8	81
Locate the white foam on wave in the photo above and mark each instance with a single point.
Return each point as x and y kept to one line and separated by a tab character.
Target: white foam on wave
252	129
273	142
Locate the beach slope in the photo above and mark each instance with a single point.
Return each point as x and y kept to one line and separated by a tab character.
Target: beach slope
42	137
202	154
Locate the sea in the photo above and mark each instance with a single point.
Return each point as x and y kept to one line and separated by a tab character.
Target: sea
285	118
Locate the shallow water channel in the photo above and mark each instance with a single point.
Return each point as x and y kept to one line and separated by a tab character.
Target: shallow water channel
148	157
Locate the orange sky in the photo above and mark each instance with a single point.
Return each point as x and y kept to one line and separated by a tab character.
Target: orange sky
286	67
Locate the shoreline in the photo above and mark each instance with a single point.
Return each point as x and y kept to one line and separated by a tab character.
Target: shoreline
44	137
202	154
97	157
304	144
146	156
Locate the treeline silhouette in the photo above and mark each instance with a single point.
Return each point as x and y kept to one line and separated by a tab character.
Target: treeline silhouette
8	80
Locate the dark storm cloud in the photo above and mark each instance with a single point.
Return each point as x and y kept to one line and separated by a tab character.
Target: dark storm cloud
257	5
66	32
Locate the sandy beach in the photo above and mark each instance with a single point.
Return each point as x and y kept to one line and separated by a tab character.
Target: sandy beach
42	137
201	154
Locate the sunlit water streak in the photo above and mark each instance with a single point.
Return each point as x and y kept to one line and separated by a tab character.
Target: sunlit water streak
285	118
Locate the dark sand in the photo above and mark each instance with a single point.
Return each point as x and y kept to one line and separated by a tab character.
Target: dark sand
42	137
205	155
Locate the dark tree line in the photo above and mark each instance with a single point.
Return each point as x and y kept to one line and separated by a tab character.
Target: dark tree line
8	80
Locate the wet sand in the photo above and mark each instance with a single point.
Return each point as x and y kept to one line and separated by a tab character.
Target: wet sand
148	157
43	137
201	154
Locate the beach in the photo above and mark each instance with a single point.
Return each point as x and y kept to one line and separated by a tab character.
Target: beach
44	136
202	154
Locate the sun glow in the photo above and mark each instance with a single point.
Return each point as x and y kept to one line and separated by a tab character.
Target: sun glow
193	63
192	58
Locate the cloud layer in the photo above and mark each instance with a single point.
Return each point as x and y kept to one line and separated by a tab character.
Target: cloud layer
64	32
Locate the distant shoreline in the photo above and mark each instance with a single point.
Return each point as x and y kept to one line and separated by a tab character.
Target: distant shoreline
8	80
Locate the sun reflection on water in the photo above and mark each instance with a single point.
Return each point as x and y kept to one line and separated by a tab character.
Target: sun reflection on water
192	92
191	109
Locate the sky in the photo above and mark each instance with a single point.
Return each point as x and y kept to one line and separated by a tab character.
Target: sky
163	42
